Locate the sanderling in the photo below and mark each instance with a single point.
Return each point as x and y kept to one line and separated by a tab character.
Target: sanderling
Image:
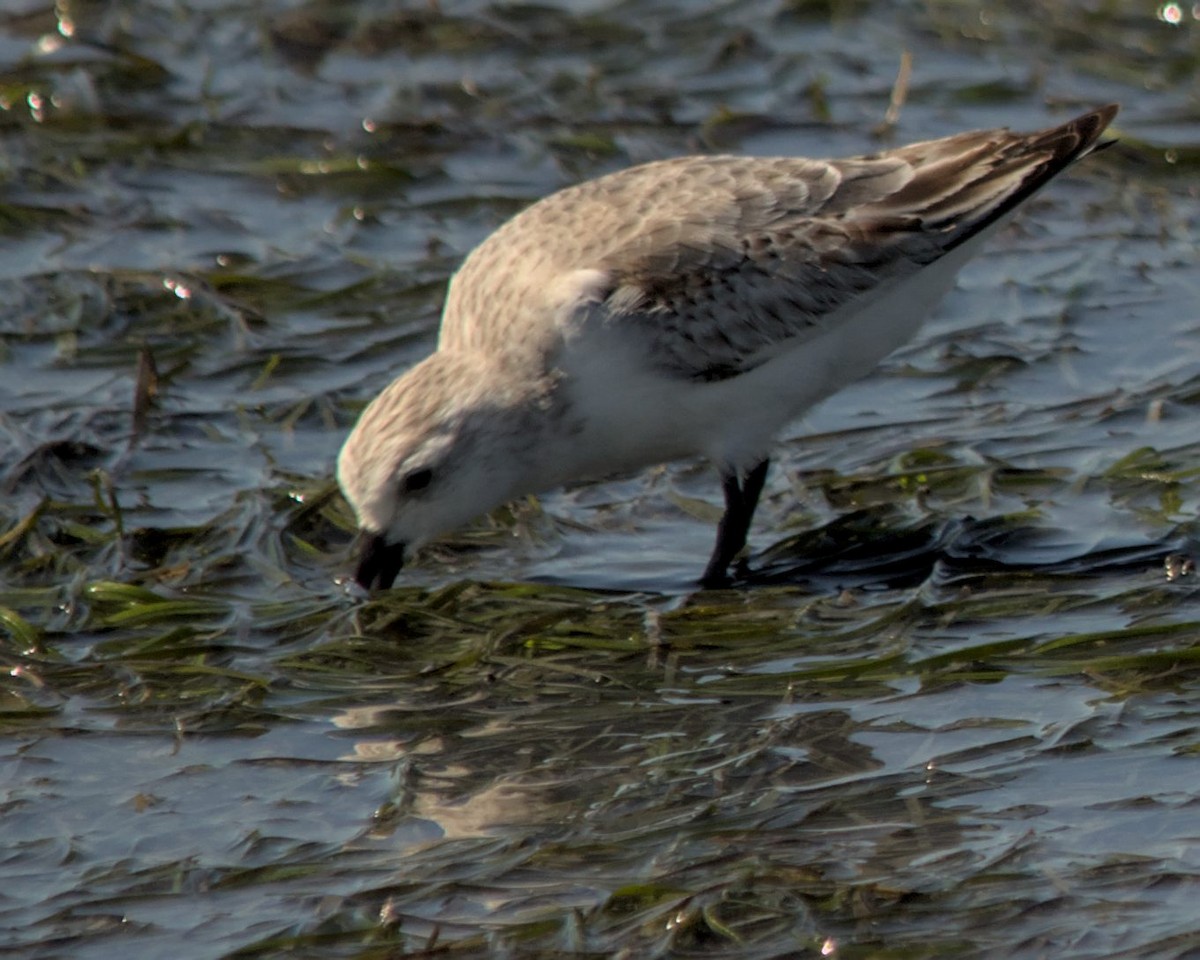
679	308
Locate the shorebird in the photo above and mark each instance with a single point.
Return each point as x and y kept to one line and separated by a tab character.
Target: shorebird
686	307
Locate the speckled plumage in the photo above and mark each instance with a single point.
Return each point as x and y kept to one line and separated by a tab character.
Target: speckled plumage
689	306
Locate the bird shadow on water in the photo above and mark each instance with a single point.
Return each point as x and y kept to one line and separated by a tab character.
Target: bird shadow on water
883	548
869	549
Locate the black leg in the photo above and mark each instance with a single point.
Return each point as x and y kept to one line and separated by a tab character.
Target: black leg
741	497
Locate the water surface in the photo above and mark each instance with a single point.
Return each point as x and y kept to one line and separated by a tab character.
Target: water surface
953	713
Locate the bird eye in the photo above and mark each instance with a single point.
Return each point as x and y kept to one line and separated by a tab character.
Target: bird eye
417	480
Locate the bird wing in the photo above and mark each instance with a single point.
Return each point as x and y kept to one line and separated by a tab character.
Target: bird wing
713	264
783	247
716	289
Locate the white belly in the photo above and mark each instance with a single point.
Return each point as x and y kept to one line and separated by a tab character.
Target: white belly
632	415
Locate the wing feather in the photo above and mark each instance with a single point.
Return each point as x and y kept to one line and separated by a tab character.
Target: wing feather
718	262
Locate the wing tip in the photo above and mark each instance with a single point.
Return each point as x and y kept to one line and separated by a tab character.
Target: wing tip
1081	135
1059	146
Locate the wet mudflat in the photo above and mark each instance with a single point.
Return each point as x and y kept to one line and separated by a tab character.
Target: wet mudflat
954	711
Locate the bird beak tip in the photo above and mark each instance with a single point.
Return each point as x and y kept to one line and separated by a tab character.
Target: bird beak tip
379	562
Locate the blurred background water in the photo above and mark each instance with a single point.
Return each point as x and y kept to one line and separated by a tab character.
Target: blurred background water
953	714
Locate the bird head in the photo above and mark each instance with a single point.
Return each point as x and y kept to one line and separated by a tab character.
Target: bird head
443	444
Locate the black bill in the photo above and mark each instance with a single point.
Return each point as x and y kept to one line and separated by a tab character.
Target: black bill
379	562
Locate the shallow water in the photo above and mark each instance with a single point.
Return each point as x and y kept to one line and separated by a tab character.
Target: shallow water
953	711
